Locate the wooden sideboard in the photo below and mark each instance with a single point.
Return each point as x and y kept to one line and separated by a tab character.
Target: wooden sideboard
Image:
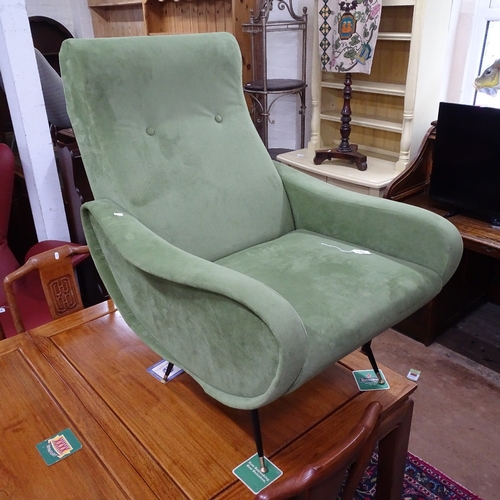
475	280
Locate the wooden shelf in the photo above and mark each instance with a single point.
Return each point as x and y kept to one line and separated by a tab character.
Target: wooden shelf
112	3
366	121
116	18
370	87
381	111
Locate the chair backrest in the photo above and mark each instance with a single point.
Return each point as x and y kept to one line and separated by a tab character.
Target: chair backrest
53	92
60	287
324	479
164	132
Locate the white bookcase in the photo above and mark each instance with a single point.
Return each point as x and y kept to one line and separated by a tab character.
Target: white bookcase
392	107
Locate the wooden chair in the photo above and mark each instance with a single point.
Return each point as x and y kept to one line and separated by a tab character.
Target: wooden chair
30	295
57	276
323	479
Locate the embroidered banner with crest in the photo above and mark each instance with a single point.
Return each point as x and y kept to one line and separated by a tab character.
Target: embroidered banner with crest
348	34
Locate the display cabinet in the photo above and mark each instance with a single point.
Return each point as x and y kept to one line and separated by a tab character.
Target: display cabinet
392	106
380	116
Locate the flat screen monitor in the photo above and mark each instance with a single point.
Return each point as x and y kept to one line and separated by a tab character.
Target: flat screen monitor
466	164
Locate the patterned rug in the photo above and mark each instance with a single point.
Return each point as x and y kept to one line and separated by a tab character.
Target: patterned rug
422	482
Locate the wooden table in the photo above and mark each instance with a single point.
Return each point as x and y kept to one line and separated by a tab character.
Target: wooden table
143	439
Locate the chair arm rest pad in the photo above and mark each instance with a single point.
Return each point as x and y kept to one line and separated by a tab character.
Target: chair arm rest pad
43	246
214	297
402	231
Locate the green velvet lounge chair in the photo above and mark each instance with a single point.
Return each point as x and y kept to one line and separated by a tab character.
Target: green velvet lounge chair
249	275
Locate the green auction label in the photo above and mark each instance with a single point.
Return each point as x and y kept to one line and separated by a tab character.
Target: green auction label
250	474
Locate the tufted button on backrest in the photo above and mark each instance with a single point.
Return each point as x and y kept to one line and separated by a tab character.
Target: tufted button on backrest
206	183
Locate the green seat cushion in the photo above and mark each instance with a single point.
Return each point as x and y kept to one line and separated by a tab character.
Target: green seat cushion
343	298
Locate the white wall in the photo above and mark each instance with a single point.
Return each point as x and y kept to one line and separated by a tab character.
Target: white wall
29	119
58	10
437	44
24	95
72	14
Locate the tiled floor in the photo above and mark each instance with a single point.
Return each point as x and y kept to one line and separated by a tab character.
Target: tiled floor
456	421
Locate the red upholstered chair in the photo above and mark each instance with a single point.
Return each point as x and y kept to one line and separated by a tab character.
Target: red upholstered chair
29	292
59	283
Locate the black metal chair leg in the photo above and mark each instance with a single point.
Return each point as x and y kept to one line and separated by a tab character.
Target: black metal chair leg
258	440
367	350
167	371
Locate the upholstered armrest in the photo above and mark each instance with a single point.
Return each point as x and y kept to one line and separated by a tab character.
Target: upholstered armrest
396	229
227	330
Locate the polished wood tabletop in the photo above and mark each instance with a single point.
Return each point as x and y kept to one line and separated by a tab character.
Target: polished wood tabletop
145	439
478	235
36	404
